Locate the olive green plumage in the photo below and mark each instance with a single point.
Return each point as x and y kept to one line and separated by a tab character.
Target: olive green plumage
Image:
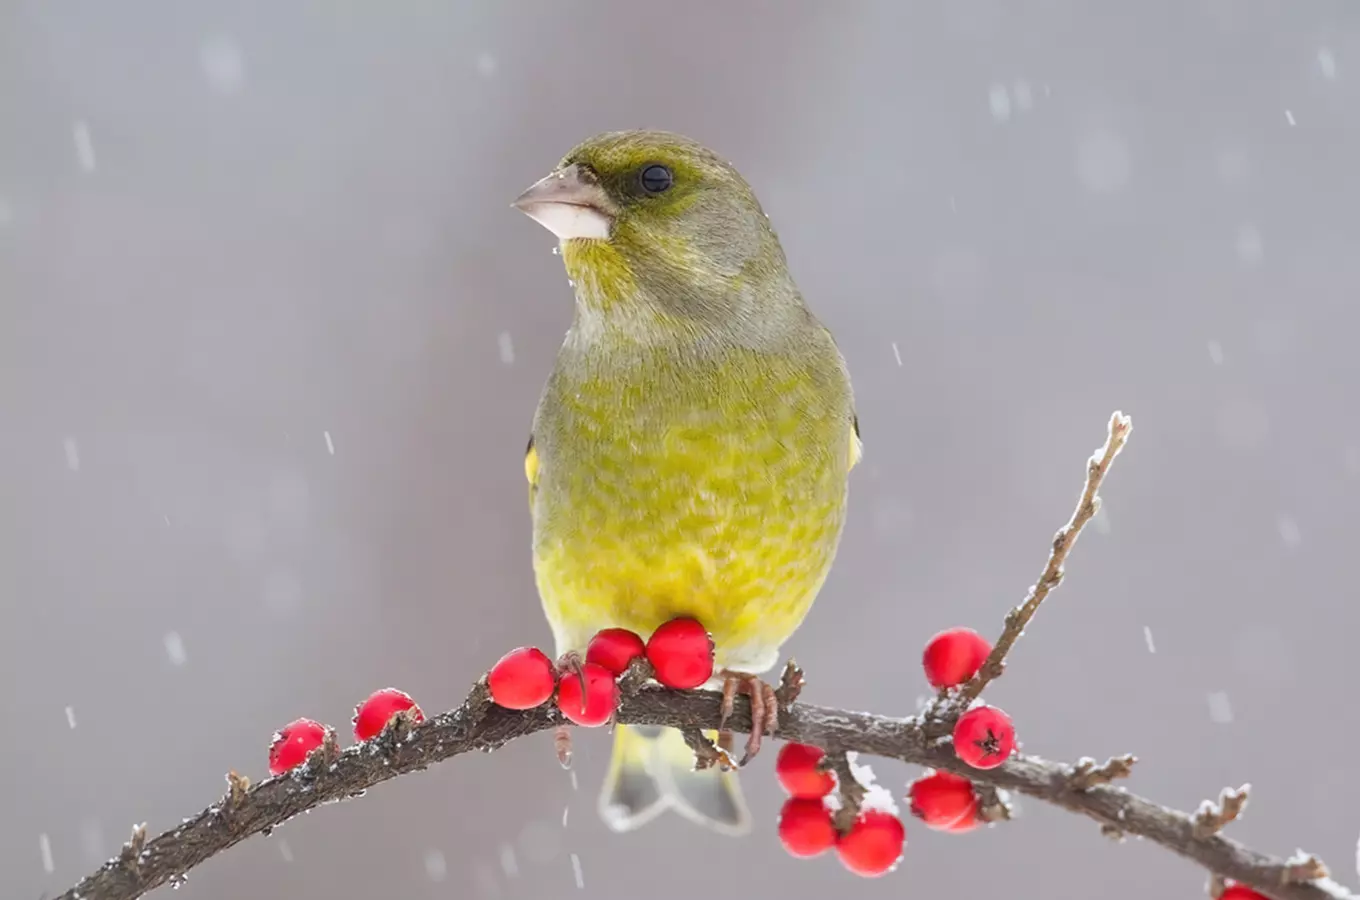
691	449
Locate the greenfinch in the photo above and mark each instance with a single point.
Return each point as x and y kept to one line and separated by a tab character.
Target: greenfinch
691	450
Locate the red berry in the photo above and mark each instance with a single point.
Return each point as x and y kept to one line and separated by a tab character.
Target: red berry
522	679
874	844
1241	892
805	827
600	700
954	656
614	649
944	801
292	743
371	716
984	737
796	769
681	653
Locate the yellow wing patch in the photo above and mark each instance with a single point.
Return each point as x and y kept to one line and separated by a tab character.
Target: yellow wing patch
531	468
531	463
856	445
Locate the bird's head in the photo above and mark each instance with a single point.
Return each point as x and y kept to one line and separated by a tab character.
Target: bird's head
654	220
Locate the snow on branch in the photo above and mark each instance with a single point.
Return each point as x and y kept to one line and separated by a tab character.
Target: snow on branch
403	747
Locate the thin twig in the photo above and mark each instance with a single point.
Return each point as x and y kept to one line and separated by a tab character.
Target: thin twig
1211	817
706	753
849	790
1019	617
994	804
791	684
1086	773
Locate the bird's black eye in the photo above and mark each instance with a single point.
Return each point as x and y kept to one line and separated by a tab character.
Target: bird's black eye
655	178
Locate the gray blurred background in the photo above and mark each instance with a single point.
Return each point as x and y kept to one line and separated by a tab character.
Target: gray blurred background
272	338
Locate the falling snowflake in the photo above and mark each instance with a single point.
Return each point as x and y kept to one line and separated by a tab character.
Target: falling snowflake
1104	164
1289	531
1248	244
222	63
436	866
1220	710
174	648
509	865
1000	102
1326	63
80	132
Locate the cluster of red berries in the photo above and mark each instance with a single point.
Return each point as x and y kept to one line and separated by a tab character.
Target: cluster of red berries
984	736
680	651
294	742
870	846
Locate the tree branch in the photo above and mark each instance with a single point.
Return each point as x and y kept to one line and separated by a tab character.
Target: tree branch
477	725
403	747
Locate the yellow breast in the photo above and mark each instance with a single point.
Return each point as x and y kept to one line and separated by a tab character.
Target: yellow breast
714	489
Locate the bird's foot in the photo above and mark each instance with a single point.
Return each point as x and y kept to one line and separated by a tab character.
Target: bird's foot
572	663
568	664
764	709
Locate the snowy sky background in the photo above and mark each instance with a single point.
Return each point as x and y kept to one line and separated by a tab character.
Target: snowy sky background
271	340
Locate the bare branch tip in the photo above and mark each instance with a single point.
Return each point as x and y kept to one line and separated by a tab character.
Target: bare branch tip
1085	773
237	788
706	753
1210	818
1113	832
1301	868
398	728
1121	426
791	684
636	676
326	755
994	804
131	854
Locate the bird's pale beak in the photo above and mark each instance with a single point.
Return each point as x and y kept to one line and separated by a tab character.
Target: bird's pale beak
570	203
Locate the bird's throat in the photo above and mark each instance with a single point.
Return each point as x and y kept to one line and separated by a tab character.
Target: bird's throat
602	278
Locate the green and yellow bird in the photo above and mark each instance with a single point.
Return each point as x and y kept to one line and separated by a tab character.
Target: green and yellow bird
691	450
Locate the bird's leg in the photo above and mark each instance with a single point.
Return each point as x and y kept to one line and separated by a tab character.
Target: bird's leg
764	708
569	663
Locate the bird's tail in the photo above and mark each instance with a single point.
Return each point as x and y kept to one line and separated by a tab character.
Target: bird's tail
652	770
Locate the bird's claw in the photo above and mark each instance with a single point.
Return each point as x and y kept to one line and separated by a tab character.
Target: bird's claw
571	663
764	710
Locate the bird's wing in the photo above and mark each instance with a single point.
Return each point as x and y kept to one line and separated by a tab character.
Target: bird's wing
856	445
531	469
